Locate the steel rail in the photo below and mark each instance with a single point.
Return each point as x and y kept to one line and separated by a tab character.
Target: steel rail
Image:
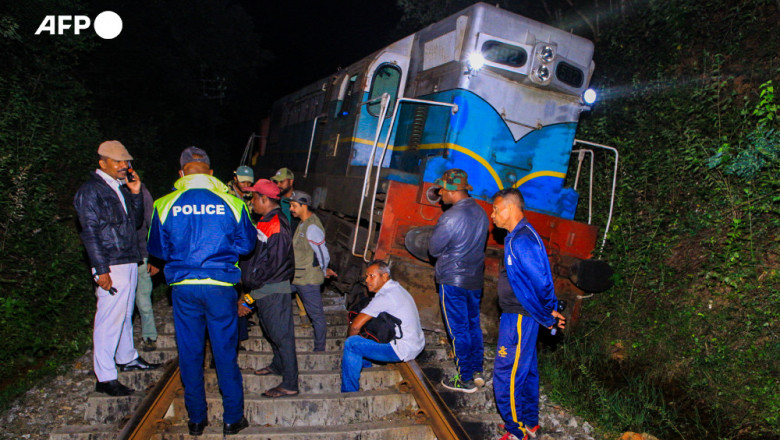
143	424
443	422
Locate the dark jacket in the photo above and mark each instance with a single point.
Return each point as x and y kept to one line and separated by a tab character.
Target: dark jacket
272	260
107	231
458	243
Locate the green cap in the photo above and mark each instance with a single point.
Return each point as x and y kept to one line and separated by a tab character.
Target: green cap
282	174
453	180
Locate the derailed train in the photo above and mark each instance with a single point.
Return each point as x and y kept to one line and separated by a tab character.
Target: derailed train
484	90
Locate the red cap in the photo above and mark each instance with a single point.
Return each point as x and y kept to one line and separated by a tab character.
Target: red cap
265	187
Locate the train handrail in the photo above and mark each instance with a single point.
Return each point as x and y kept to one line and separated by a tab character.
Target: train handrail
398	102
311	142
384	98
580	157
443	422
614	184
143	423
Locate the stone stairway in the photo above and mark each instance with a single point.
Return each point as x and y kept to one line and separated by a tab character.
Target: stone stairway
378	411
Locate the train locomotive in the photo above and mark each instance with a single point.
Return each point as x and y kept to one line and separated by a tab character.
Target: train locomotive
485	90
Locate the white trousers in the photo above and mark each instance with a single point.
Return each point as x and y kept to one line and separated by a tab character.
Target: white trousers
112	337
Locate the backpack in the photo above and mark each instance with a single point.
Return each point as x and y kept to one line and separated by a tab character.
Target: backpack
380	329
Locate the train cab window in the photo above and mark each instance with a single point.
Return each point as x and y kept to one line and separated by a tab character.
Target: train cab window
386	79
569	75
502	53
347	97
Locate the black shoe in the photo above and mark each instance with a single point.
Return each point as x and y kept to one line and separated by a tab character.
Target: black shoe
137	364
233	428
149	344
113	388
197	428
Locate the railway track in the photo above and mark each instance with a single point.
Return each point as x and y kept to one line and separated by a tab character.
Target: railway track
401	401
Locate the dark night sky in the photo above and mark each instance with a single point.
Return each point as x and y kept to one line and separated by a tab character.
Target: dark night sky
310	40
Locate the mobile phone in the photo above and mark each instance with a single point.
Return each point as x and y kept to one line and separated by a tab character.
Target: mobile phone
130	176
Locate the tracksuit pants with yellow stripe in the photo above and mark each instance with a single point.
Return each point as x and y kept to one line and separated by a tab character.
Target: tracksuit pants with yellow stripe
515	376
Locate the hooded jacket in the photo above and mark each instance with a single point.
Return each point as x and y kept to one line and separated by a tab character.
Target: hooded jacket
107	231
458	243
200	230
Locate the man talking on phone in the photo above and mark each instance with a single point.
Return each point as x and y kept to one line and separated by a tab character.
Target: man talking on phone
110	209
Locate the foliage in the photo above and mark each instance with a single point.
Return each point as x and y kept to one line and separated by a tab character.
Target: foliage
685	345
44	124
61	96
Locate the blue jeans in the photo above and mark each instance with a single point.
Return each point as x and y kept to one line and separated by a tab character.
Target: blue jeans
197	307
460	309
358	354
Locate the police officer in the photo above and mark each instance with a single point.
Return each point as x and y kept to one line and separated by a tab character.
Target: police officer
200	231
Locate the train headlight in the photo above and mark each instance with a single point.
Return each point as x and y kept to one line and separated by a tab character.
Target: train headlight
542	73
476	61
589	97
546	54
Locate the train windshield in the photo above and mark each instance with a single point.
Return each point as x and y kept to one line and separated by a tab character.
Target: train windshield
502	53
386	80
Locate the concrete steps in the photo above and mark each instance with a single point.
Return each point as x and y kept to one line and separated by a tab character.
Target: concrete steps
377	430
320	411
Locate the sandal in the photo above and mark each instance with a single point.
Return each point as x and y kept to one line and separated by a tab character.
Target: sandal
265	371
274	393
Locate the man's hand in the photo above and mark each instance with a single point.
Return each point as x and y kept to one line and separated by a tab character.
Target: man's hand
561	320
242	309
152	269
104	281
135	185
329	273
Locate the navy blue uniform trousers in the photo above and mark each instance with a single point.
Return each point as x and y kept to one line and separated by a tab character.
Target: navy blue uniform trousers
460	308
196	308
515	376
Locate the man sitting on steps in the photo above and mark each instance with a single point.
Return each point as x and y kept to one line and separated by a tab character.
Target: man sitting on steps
391	298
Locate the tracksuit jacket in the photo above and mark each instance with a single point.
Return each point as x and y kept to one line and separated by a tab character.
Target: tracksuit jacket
200	230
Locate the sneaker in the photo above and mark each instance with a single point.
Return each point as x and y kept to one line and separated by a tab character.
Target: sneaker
481	379
455	384
531	432
509	436
149	344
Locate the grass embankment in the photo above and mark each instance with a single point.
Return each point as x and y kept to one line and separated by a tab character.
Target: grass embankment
685	345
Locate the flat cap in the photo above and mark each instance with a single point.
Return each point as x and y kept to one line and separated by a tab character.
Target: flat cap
114	150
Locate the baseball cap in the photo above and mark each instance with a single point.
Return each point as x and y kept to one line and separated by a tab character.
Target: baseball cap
245	174
114	150
453	180
301	197
282	174
193	154
264	187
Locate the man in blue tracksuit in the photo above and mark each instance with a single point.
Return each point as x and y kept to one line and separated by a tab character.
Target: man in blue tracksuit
200	230
527	299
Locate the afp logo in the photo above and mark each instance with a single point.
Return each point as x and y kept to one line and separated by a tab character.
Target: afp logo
107	25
